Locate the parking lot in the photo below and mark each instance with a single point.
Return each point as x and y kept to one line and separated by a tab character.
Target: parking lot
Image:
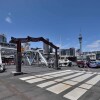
42	83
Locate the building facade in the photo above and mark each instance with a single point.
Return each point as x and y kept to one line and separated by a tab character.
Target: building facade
3	38
68	52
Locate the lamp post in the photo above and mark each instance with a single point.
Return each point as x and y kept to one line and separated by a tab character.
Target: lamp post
80	41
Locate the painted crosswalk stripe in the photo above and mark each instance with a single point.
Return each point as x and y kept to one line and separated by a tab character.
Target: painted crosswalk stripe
85	86
58	80
58	72
70	82
67	77
44	75
94	80
29	77
75	94
57	89
45	78
46	84
81	78
79	91
35	80
57	75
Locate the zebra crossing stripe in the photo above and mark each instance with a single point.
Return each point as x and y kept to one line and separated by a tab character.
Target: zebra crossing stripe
70	82
26	78
85	86
75	94
58	89
46	84
45	78
68	77
94	80
57	75
35	80
58	72
58	80
44	75
79	91
81	78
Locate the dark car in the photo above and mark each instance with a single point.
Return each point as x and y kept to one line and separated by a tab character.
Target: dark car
82	63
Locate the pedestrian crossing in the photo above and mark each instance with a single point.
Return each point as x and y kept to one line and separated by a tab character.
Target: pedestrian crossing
79	82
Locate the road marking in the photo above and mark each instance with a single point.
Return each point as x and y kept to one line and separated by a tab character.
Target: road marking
29	77
58	88
85	86
78	92
47	77
81	78
75	94
67	77
94	80
44	78
35	80
57	80
57	75
46	84
70	82
58	72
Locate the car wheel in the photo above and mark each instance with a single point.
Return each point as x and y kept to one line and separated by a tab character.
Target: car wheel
81	66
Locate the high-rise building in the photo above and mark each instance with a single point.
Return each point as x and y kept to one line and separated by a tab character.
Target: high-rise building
68	52
3	38
72	51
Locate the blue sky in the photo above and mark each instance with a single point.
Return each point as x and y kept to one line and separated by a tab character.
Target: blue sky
58	20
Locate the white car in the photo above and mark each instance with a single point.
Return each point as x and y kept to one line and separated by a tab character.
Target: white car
2	68
64	62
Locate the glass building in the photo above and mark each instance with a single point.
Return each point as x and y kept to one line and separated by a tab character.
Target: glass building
3	38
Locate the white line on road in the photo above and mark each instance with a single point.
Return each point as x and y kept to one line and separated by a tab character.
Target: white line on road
26	78
75	94
46	77
58	88
46	84
79	91
57	80
35	80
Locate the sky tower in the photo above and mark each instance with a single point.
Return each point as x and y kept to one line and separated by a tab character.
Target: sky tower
80	42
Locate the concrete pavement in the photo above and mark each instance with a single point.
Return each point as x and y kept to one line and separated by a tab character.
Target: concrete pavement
64	84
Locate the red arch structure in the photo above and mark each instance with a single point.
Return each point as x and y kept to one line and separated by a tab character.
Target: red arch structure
18	41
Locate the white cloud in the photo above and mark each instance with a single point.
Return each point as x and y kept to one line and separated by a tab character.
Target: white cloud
8	19
94	46
63	46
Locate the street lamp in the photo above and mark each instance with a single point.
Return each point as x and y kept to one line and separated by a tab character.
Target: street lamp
80	41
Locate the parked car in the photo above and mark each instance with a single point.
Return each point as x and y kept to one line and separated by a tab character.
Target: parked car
64	62
2	68
82	63
94	64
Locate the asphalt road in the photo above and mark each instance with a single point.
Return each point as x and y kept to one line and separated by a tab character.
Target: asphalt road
42	83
